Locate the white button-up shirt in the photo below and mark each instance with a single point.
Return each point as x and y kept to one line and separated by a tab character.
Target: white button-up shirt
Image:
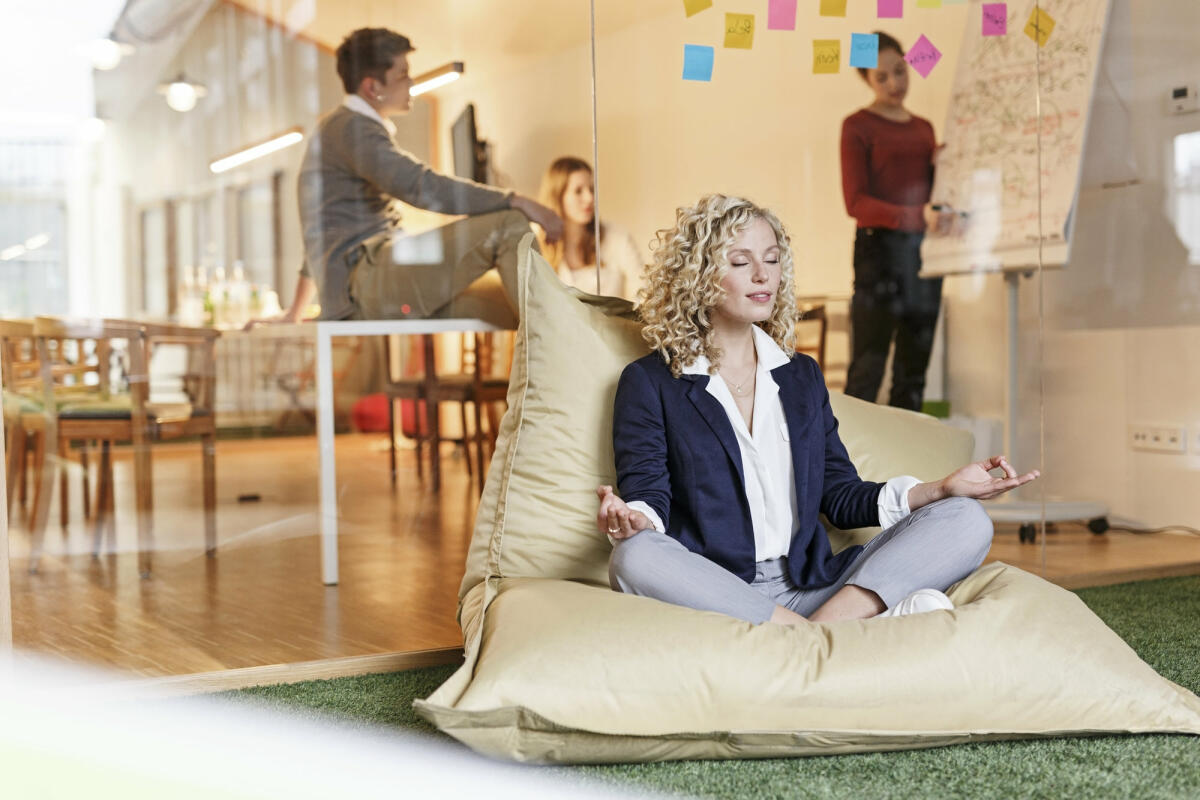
767	457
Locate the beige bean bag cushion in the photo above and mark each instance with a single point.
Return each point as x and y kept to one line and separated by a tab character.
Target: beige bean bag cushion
559	668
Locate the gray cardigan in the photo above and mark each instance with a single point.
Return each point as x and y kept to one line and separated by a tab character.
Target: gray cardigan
350	178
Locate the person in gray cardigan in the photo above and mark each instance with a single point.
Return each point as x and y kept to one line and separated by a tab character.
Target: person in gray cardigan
353	173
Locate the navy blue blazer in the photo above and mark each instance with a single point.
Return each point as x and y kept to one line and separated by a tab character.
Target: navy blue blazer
677	452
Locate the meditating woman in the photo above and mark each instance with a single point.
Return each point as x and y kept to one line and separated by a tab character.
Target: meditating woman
727	450
568	188
887	176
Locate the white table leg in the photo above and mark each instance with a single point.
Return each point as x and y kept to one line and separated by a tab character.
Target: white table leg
327	457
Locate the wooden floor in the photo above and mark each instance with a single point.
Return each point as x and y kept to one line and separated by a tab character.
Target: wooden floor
261	601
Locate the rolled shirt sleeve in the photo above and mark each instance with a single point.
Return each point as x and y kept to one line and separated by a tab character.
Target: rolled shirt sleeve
893	500
655	522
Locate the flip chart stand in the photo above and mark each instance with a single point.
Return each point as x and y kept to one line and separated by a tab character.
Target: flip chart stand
1026	514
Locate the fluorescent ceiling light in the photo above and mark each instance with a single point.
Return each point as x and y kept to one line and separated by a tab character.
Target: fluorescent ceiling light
247	154
34	242
18	250
447	73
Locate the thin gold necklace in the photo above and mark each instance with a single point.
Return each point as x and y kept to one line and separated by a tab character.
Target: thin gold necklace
741	388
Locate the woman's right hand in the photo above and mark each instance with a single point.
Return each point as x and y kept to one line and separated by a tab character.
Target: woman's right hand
617	519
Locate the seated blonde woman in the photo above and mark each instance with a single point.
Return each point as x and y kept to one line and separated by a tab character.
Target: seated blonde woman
727	451
568	188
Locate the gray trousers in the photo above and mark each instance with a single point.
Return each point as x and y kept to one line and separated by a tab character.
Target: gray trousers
465	269
932	548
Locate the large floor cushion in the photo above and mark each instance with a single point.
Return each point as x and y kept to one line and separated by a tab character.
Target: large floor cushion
573	673
560	668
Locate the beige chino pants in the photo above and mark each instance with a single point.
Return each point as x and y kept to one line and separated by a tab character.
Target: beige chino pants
467	269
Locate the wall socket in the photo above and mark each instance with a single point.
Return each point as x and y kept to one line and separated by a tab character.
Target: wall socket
1158	438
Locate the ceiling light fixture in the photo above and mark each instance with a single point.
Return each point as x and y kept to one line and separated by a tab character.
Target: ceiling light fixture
427	82
106	54
277	142
181	93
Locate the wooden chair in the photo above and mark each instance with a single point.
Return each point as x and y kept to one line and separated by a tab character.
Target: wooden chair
476	384
79	375
130	417
813	314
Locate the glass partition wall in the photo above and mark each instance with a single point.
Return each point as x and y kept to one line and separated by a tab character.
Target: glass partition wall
196	546
170	475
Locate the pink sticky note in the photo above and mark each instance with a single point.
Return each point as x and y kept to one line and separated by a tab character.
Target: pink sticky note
923	56
995	19
781	15
890	9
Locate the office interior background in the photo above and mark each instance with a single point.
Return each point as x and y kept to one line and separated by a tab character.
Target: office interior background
117	113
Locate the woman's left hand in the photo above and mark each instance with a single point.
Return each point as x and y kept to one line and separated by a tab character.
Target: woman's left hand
975	480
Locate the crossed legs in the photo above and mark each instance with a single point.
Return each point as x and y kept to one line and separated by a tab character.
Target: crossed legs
933	547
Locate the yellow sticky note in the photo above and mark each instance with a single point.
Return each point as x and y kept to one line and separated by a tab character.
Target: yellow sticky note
827	56
833	8
739	31
691	7
929	3
1039	27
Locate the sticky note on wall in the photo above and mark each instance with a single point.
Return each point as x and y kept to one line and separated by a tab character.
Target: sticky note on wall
929	3
827	56
923	56
890	9
691	7
864	50
833	8
781	15
739	31
995	19
1040	26
697	62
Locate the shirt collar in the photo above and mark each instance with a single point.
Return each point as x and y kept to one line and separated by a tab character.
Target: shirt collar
360	106
770	355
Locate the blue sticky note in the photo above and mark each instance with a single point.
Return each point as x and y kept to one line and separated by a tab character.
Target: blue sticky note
697	62
864	50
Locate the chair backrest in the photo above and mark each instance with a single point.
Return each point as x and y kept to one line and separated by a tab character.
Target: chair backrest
198	379
19	367
811	316
76	366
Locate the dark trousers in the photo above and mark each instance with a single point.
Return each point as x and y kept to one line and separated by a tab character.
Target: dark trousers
891	301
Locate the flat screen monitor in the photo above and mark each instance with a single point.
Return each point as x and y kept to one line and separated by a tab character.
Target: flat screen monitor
470	154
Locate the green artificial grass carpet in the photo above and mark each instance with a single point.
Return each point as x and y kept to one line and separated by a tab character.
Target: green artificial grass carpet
1159	619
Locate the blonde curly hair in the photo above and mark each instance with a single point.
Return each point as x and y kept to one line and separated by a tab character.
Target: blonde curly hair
683	285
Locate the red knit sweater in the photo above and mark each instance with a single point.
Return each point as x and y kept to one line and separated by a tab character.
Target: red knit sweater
887	170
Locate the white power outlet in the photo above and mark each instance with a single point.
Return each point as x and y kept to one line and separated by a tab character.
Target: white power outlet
1158	438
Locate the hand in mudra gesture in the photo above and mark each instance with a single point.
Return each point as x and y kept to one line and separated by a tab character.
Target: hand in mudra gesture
617	519
975	480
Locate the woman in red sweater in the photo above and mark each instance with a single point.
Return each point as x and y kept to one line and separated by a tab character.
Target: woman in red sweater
887	175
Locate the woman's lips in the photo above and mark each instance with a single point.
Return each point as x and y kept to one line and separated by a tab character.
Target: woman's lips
760	297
